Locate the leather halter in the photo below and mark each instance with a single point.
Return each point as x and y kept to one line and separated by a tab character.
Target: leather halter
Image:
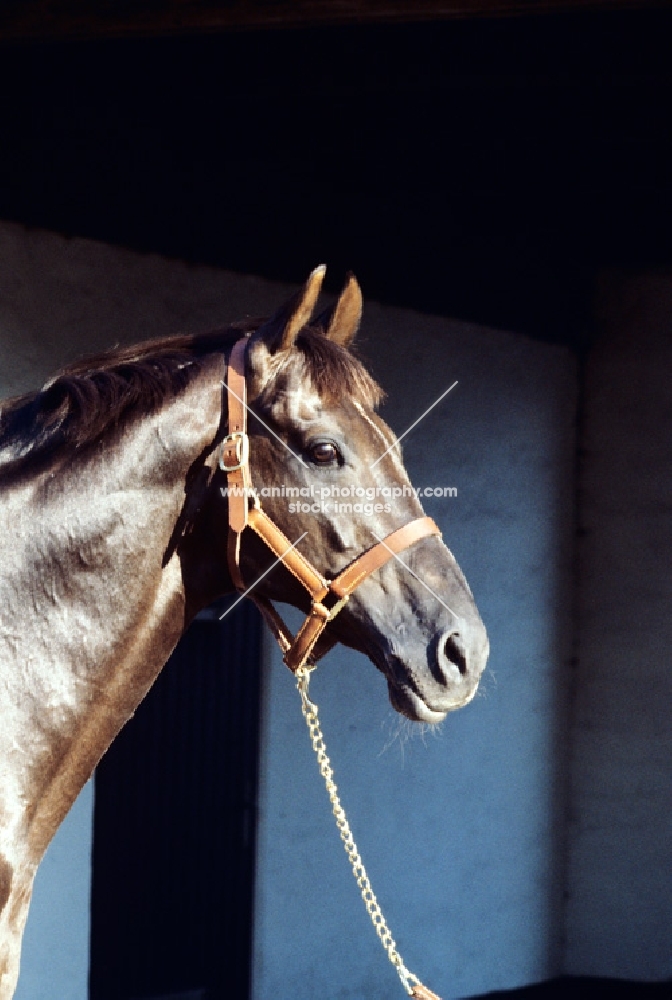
327	596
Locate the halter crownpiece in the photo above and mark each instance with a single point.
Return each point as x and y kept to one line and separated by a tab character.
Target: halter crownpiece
328	597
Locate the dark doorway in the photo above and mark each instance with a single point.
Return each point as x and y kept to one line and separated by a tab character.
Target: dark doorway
175	822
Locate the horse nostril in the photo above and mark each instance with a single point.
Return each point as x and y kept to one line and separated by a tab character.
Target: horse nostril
451	654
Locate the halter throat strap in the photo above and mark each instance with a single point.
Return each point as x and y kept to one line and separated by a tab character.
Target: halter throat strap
328	597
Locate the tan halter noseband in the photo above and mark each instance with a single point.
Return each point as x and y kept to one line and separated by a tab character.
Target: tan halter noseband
327	596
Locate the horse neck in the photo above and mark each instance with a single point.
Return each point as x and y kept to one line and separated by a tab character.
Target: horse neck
90	604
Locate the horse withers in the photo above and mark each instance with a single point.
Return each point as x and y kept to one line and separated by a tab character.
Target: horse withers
115	511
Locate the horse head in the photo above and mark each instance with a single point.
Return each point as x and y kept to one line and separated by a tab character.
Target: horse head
329	473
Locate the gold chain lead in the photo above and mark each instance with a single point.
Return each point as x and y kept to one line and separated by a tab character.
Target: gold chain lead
409	981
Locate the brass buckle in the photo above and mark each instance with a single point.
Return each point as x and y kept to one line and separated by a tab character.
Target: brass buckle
242	448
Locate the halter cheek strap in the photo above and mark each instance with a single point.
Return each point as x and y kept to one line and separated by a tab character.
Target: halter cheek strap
234	458
327	596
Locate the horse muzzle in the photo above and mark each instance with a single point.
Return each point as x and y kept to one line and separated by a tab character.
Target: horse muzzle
448	679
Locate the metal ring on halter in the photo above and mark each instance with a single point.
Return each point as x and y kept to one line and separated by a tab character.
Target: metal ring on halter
241	443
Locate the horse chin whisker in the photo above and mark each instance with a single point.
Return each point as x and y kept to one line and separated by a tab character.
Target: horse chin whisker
400	731
403	731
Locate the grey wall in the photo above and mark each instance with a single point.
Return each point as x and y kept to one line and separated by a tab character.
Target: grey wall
461	829
63	298
619	916
55	960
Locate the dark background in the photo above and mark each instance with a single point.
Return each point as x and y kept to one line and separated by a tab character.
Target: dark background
483	169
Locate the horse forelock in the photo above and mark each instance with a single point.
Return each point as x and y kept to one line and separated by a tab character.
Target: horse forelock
92	396
332	371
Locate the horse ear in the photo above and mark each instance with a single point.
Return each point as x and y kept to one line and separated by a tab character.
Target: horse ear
341	321
281	330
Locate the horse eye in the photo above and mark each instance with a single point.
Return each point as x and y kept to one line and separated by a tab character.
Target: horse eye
323	453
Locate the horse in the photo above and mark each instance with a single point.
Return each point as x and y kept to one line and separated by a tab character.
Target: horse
120	521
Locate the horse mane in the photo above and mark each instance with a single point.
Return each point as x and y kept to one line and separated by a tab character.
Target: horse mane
89	397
